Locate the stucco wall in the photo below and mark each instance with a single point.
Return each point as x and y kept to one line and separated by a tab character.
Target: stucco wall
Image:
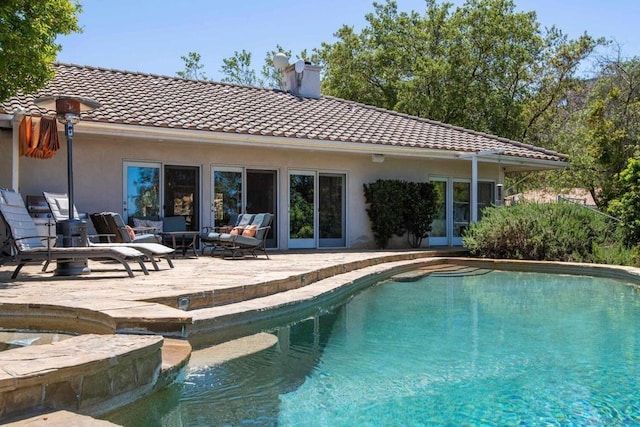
5	158
98	173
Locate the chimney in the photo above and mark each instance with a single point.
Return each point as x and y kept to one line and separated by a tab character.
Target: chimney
302	79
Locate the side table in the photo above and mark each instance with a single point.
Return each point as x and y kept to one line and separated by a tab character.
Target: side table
182	240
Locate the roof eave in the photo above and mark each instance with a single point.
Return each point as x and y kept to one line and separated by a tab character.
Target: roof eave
162	134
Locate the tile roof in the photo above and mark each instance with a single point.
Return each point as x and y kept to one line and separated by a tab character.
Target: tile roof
159	101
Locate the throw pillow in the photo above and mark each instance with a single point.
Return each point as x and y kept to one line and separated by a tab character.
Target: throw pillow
156	226
250	231
138	223
132	234
236	230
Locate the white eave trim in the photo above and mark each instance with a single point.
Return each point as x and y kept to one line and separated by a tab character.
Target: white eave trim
204	137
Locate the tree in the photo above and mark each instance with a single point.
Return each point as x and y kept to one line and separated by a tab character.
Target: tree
237	69
599	128
483	66
627	207
192	67
28	31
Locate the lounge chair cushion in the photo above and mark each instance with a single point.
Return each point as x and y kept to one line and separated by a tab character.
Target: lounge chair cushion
13	199
59	206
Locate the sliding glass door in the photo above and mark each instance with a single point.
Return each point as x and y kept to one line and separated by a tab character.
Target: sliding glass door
181	190
453	211
317	210
152	190
238	190
461	210
332	222
141	190
439	234
227	196
262	196
302	209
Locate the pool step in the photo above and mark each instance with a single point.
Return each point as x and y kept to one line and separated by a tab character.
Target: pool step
439	270
467	271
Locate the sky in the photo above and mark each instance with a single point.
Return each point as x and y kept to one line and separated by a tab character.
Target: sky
150	36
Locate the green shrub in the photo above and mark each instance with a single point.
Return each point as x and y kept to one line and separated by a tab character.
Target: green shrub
384	198
397	207
550	231
419	208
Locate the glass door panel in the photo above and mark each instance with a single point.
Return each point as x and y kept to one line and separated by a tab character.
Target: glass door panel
331	211
302	210
262	196
227	196
438	235
485	196
181	194
141	190
461	211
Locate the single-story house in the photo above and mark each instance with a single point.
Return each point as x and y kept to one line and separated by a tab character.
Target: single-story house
162	146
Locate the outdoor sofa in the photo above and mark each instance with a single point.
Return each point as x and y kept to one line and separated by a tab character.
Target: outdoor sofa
249	234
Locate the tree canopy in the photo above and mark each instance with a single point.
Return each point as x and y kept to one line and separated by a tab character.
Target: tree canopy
28	31
238	69
192	67
483	66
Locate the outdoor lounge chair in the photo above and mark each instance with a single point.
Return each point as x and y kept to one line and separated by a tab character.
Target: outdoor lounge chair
210	236
28	247
253	238
59	206
123	234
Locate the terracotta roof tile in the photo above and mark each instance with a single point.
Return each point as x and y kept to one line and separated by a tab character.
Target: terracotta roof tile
160	101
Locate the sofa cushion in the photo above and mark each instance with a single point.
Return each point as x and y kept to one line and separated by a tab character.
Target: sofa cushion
211	236
244	241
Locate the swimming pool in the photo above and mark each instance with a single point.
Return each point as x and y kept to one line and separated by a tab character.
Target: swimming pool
501	348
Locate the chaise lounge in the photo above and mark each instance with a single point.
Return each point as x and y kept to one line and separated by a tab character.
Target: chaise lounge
59	207
28	247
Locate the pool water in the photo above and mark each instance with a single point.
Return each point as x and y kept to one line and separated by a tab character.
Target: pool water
502	348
